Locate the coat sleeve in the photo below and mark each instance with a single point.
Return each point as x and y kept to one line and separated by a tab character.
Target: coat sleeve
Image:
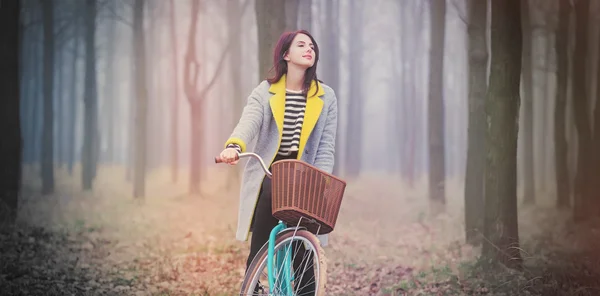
249	123
325	152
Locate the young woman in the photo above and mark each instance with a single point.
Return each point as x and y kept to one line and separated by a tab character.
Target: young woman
291	115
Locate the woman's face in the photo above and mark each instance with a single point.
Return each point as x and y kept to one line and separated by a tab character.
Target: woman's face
301	52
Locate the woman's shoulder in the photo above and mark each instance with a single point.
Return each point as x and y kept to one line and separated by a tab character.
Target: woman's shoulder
328	92
261	91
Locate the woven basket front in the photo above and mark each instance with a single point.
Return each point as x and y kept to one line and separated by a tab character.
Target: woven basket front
302	190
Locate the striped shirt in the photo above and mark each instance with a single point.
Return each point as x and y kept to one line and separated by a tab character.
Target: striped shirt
295	105
293	119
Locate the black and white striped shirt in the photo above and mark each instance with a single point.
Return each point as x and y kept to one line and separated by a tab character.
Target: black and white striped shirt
293	119
295	105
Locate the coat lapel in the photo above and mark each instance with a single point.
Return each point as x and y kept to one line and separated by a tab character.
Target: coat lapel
314	106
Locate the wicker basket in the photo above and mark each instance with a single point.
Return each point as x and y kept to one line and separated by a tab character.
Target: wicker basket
302	190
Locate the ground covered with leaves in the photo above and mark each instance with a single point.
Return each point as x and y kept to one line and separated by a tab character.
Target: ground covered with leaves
106	243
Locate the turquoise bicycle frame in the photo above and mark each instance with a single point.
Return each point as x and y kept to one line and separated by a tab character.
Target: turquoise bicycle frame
285	276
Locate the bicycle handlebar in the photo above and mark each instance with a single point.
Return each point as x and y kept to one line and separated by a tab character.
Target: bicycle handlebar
249	154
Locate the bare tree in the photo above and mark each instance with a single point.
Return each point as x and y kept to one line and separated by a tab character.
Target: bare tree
474	179
330	65
352	163
90	131
234	19
48	127
197	96
436	107
139	184
73	92
527	76
562	79
175	99
583	182
502	109
305	15
291	14
111	76
10	149
270	18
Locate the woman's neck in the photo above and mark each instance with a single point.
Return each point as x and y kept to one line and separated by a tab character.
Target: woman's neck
294	78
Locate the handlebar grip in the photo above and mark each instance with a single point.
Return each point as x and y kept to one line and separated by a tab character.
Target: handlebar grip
218	159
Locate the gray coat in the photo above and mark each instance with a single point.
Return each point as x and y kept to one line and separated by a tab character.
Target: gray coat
262	122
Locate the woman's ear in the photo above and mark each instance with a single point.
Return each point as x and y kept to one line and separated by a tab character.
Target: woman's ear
286	57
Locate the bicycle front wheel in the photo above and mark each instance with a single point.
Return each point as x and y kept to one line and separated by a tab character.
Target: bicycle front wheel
308	271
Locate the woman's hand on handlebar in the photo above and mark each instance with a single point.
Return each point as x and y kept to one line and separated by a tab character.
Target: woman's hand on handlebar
229	156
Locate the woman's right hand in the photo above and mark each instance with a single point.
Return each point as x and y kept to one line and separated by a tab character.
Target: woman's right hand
229	156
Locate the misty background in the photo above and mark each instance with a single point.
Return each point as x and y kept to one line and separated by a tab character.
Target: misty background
125	103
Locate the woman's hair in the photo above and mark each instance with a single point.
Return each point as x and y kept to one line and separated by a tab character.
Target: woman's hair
280	65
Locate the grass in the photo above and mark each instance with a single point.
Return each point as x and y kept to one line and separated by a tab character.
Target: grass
384	242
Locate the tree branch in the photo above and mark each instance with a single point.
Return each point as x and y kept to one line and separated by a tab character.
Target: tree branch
224	55
112	14
213	80
462	15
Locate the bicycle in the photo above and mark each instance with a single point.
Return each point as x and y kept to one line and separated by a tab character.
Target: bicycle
308	197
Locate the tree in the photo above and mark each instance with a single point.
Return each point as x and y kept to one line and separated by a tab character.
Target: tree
581	206
502	111
305	15
48	127
436	107
234	20
291	14
330	61
474	177
527	76
139	174
11	145
90	131
175	100
270	18
111	76
562	79
197	96
352	163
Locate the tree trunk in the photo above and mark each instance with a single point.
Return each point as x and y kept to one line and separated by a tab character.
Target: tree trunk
72	121
595	178
410	117
502	110
175	99
353	156
563	190
581	207
197	96
59	106
48	78
527	75
10	149
110	78
305	15
291	14
437	196
270	18
330	57
139	179
474	178
196	151
90	136
234	18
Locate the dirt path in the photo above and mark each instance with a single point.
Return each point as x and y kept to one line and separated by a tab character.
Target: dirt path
105	243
